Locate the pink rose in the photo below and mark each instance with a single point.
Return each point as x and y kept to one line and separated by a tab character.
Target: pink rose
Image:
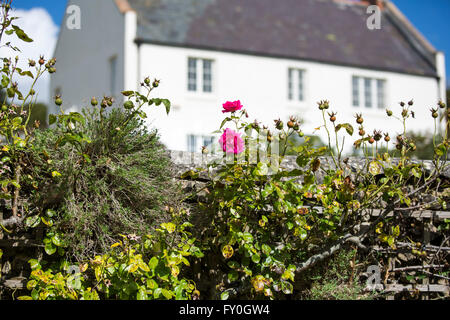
232	106
231	142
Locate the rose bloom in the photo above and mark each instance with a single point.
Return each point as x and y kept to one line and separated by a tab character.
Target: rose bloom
232	106
231	142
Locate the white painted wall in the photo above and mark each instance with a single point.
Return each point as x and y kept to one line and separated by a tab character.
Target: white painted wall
83	68
261	84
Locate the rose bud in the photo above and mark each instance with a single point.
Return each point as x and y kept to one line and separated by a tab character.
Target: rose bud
434	113
279	124
377	135
402	104
410	103
41	60
386	137
441	105
359	118
389	113
332	116
362	132
371	140
58	100
31	63
94	102
147	81
156	83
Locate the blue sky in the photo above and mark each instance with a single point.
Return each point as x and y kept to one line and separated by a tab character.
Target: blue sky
430	17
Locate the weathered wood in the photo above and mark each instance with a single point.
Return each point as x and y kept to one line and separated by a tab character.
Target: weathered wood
410	268
400	288
18	283
12	243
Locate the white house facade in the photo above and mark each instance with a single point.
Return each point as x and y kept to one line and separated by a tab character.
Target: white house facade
123	41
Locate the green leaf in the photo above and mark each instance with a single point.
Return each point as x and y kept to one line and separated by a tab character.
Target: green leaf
142	294
51	119
261	169
127	93
233	276
247	237
266	249
375	168
32	222
286	287
167	294
151	284
256	258
225	295
21	34
153	263
50	248
167	104
157	293
34	264
347	126
56	240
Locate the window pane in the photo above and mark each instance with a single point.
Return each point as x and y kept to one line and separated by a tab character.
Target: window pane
192	143
207	76
192	74
290	84
355	91
381	94
300	85
368	92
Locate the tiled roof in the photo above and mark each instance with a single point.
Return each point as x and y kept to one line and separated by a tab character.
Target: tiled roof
327	31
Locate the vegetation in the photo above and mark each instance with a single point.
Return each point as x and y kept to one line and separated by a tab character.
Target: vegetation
100	186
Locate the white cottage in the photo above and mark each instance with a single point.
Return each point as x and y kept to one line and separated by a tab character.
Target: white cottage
278	57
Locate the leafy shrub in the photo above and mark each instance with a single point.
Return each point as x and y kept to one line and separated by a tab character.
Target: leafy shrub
112	180
134	268
265	225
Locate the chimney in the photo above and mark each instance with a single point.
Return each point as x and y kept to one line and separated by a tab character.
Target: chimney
375	3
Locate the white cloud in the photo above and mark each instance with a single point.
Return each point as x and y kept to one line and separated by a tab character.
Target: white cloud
39	26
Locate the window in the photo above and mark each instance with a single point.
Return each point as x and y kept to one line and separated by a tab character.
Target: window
368	92
192	143
192	74
374	92
113	74
381	94
355	93
195	142
200	75
296	84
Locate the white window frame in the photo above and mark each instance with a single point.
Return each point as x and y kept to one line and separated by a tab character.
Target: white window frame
361	90
200	75
294	94
196	141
